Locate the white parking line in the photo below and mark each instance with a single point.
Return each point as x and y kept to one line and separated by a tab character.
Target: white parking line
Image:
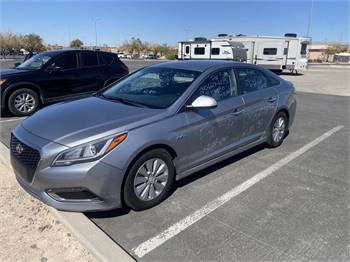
11	119
178	227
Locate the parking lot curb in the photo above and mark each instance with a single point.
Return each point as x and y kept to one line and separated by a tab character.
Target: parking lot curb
86	232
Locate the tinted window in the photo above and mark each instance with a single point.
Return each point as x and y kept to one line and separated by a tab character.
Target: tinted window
220	85
36	61
251	80
303	49
270	51
105	59
153	87
285	51
187	51
199	51
67	61
89	59
215	51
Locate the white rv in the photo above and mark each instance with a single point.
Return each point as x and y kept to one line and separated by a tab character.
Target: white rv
273	52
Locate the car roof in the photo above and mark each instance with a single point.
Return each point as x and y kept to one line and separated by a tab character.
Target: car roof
195	65
57	52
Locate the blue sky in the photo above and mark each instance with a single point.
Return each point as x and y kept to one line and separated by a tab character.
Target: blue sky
172	21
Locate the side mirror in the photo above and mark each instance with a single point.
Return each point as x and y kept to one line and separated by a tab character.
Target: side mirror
17	64
203	102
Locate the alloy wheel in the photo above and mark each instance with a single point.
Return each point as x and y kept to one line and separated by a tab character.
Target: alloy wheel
24	102
279	129
150	179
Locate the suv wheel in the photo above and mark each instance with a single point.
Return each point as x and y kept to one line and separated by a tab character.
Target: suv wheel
149	180
23	102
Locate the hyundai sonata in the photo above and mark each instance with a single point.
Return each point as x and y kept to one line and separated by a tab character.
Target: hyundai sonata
127	144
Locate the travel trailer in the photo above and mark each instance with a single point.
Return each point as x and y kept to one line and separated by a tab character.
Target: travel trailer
273	52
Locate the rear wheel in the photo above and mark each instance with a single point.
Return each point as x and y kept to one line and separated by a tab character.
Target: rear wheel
277	130
23	102
149	180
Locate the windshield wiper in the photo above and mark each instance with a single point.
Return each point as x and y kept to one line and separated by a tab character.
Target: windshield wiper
123	100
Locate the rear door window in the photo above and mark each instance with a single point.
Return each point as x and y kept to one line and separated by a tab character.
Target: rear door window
105	59
251	80
88	59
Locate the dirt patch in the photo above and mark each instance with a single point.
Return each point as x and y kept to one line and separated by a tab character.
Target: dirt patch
28	231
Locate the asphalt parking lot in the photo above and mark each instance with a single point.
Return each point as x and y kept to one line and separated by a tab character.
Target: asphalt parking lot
289	203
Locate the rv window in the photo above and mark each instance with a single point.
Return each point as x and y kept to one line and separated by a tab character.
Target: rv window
215	51
303	49
285	51
187	50
270	51
199	51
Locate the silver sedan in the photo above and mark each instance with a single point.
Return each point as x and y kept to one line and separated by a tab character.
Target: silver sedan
127	144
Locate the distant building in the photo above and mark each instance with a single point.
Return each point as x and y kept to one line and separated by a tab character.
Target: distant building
318	52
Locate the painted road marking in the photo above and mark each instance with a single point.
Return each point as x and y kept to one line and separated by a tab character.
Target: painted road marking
11	119
178	227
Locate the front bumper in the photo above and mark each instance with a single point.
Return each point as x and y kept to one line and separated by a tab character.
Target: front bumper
101	179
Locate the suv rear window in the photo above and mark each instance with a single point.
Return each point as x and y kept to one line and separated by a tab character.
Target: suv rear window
88	59
105	59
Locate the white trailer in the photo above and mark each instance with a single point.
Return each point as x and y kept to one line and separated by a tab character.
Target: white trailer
273	52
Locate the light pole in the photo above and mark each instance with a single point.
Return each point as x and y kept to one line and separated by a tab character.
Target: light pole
310	14
95	22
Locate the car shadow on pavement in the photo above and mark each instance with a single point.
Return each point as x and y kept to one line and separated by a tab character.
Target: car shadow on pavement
183	182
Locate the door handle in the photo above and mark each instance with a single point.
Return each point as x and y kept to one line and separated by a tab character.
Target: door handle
237	112
272	99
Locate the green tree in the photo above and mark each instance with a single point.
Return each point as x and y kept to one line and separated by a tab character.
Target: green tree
33	43
76	43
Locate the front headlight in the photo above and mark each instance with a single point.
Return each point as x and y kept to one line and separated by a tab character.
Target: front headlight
89	151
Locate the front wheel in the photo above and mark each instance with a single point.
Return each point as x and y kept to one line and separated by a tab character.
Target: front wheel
149	180
278	130
23	102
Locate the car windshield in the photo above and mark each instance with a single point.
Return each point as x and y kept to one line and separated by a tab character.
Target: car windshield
36	62
152	87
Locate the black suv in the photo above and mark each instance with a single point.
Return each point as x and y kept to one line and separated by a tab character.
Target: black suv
57	75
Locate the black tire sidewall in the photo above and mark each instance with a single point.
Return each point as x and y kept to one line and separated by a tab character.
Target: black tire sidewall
130	198
12	97
270	142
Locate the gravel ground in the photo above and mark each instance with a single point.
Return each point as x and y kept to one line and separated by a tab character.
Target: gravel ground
28	231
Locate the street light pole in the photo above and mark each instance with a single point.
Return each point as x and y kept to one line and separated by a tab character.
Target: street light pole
96	19
310	15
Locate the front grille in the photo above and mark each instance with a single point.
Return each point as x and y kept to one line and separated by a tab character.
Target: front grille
26	156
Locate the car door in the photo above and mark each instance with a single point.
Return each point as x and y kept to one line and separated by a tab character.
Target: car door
211	132
90	75
60	76
260	102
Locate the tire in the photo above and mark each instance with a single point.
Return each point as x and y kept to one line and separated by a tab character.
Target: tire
135	193
277	130
23	102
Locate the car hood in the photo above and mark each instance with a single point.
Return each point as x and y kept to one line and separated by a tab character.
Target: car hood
84	120
5	73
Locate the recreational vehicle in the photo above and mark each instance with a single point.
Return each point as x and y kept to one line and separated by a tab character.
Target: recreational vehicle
273	52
